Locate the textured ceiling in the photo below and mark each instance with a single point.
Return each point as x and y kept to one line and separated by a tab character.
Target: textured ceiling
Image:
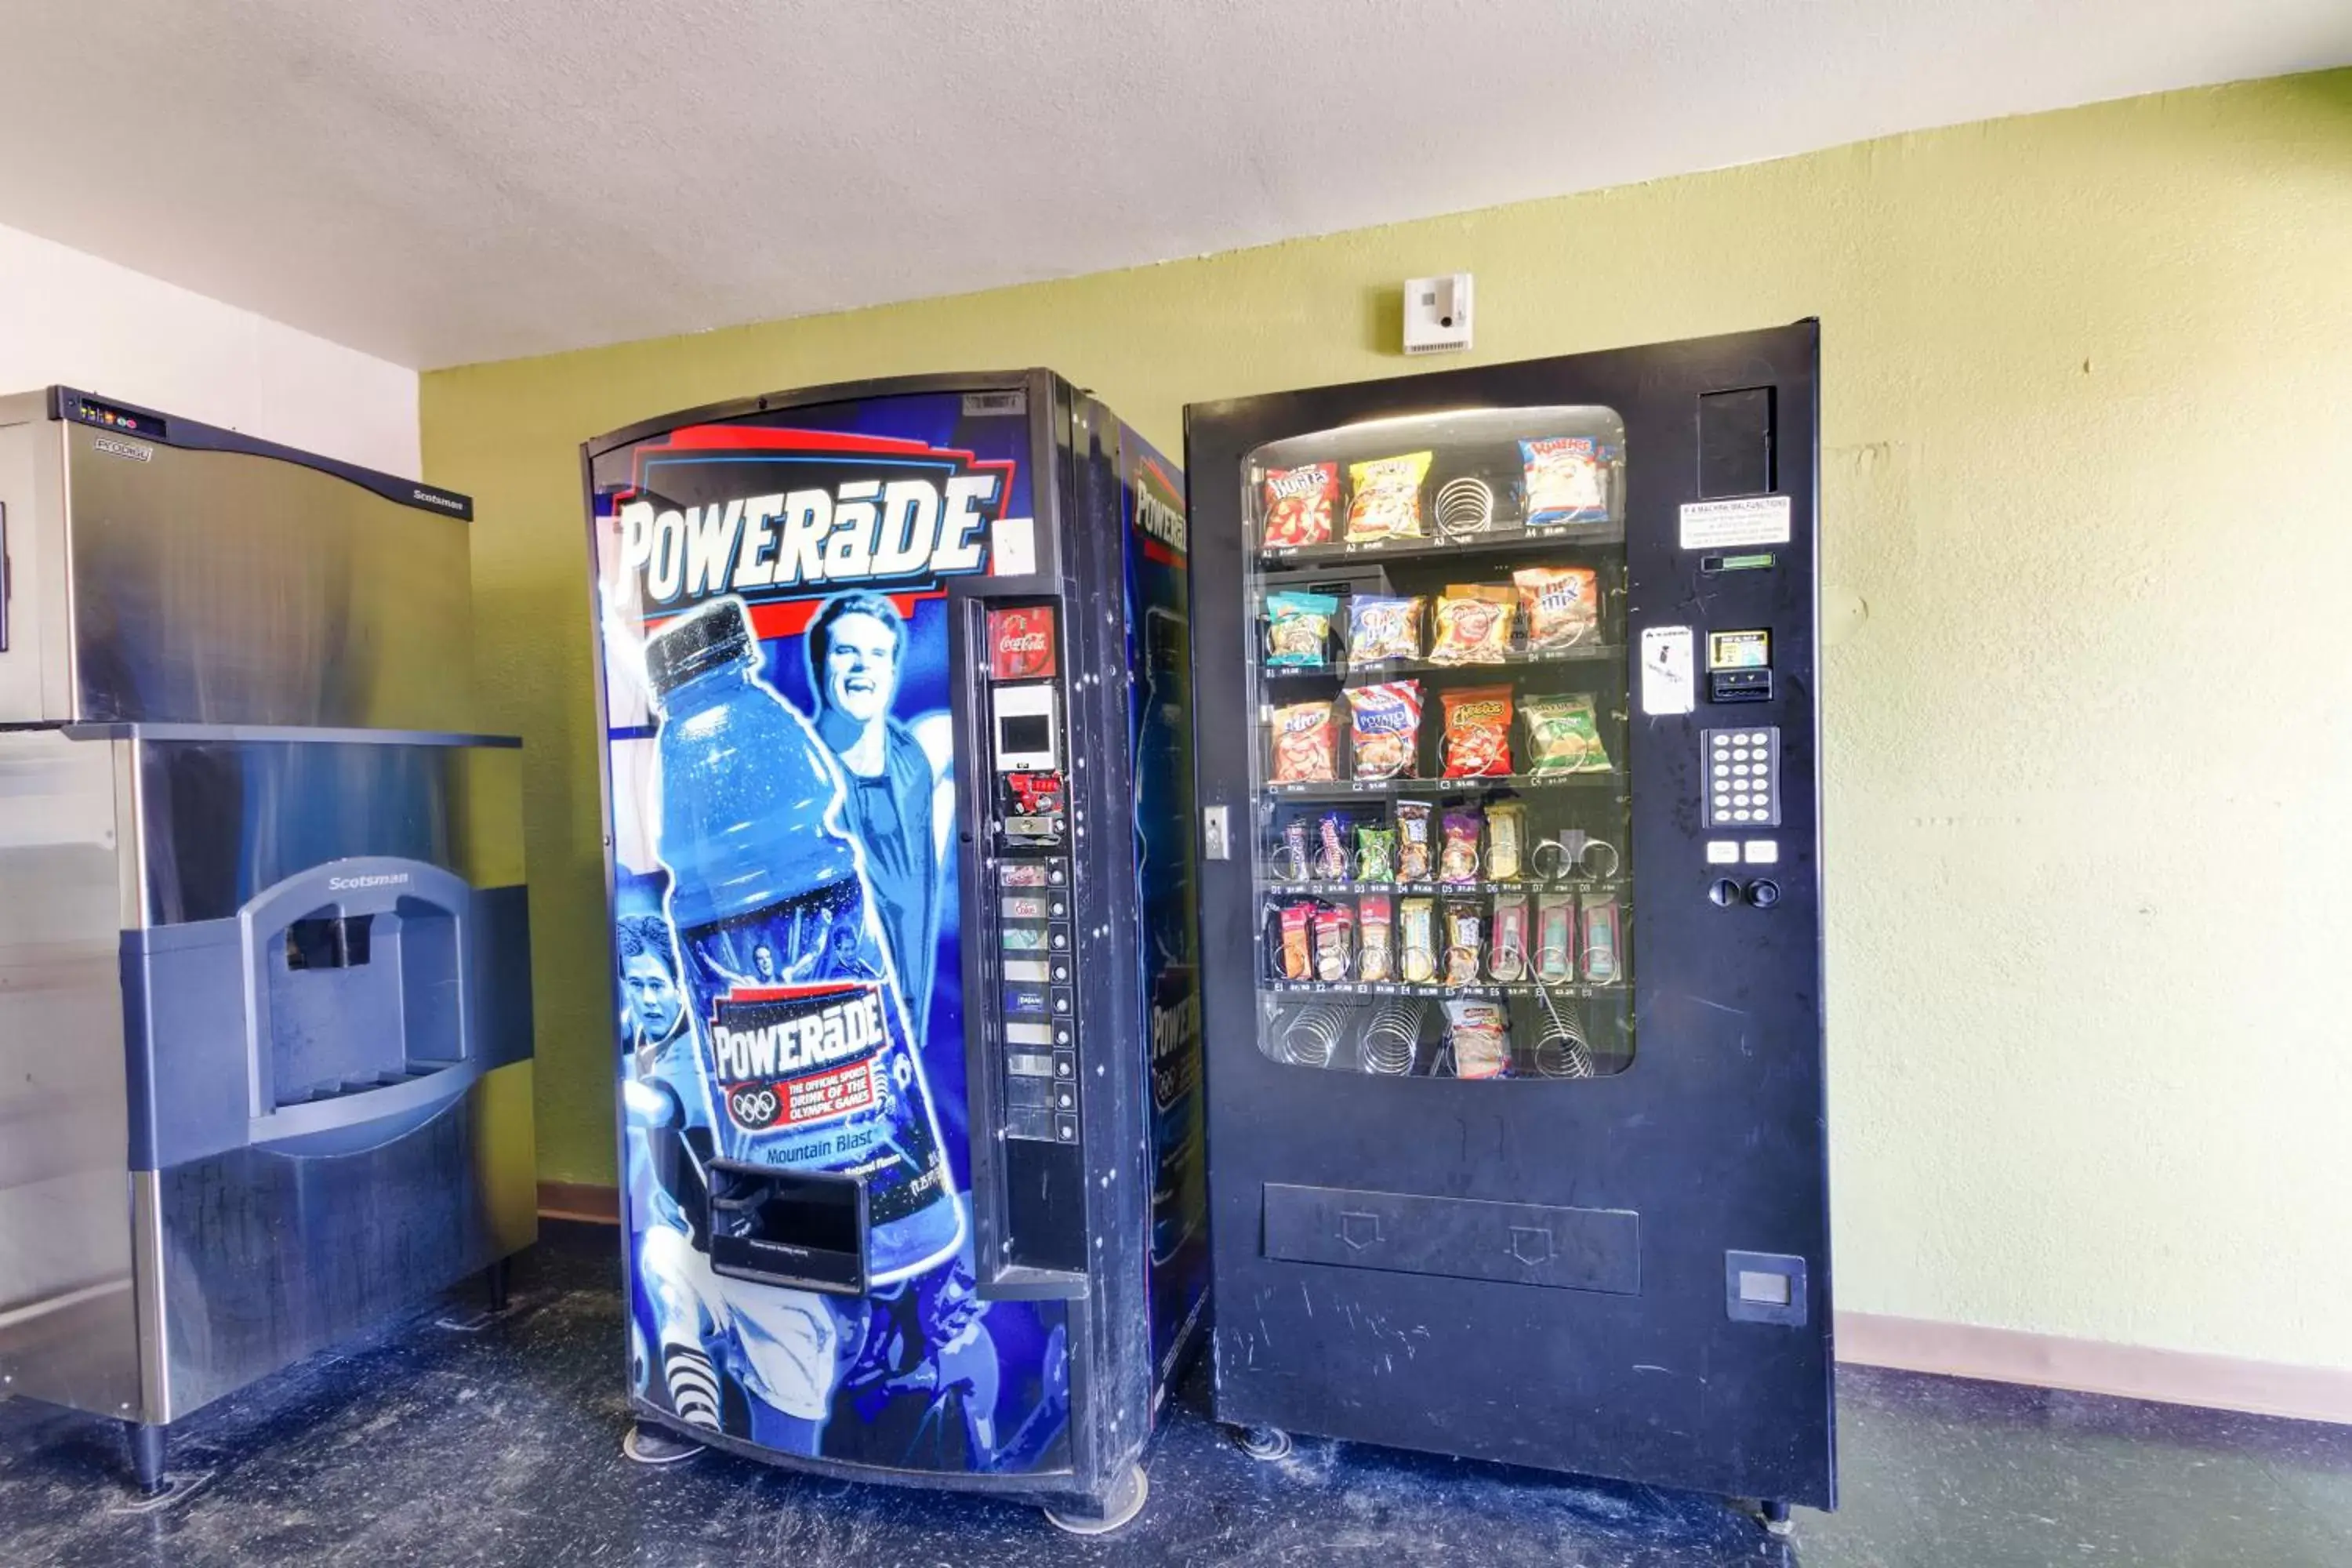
442	180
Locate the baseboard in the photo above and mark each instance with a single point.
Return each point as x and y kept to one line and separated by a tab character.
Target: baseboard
2092	1366
580	1201
1953	1350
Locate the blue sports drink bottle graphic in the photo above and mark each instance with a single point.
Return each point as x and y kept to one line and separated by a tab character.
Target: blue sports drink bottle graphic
797	1010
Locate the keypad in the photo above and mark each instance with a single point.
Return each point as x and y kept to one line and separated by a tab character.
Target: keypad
1741	774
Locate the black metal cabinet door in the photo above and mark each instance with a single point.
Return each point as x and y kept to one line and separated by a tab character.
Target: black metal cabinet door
1625	1274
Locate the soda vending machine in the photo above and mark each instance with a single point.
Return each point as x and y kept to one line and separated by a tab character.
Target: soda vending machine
896	693
1515	1091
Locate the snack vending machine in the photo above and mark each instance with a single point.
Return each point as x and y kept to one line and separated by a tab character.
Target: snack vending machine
898	779
1515	1093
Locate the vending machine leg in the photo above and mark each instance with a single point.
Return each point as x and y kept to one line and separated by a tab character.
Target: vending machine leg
1126	1500
149	1447
1774	1514
1264	1444
501	1284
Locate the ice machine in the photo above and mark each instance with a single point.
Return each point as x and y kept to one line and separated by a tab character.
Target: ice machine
264	1017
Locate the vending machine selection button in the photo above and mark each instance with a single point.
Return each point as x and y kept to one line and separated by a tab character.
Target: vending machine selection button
1065	1065
1065	1129
1061	971
1062	1035
1061	1000
1058	907
1057	874
1065	1097
1058	939
1723	852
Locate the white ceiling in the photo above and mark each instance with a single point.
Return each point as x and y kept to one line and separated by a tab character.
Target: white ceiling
442	181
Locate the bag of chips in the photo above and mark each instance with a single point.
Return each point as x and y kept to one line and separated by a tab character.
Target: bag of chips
1457	854
1417	940
1473	624
1567	479
1412	840
1479	1034
1299	503
1478	732
1385	728
1306	744
1372	937
1375	853
1335	942
1294	962
1385	497
1562	604
1507	838
1381	627
1564	736
1466	932
1298	630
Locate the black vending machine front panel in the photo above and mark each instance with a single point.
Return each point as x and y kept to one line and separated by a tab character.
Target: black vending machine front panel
1512	960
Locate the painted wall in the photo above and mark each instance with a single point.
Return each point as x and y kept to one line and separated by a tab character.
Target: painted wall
69	317
2088	421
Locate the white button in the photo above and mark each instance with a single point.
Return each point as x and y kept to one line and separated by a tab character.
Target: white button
1761	851
1754	737
1721	741
1722	852
1720	770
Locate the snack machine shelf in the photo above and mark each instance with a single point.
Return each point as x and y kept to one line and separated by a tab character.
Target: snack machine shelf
1273	883
1352	789
1486	990
1435	545
1340	669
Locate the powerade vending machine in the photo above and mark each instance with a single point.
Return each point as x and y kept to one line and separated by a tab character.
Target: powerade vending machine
898	753
1513	977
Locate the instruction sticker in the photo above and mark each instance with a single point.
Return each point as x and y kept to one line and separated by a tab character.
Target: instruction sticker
1730	524
1012	547
1669	684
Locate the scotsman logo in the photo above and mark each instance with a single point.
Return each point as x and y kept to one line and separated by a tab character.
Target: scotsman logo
384	879
434	498
131	449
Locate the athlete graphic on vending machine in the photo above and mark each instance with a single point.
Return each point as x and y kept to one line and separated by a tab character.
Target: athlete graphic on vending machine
784	766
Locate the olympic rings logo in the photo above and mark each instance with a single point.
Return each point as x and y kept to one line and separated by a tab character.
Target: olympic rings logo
753	1107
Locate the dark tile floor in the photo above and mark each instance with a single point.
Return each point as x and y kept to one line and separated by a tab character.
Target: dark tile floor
424	1447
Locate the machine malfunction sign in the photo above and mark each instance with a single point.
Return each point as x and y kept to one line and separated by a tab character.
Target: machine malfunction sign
1735	523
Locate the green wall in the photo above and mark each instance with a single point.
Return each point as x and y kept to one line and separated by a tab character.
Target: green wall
2088	427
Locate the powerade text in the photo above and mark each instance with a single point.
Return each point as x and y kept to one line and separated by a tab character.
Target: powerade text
863	531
